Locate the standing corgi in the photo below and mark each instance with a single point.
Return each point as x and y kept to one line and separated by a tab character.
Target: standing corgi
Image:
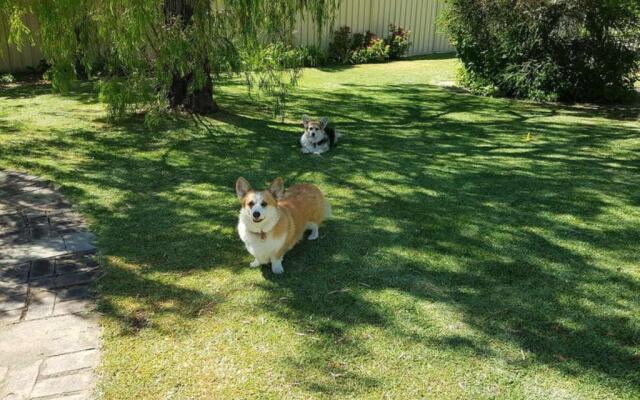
272	221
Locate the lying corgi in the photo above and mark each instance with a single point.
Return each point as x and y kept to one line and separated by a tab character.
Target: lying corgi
318	137
272	221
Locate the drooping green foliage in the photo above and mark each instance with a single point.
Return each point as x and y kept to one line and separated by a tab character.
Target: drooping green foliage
577	50
13	15
158	53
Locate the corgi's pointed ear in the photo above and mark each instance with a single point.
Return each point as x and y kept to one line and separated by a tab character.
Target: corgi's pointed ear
324	121
277	188
305	120
242	187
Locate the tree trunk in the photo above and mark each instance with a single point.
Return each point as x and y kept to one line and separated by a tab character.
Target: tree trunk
81	71
199	100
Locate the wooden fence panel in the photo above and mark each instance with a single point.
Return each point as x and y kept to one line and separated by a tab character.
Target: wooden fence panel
12	59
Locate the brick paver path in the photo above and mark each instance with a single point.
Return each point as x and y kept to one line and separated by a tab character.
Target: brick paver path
49	337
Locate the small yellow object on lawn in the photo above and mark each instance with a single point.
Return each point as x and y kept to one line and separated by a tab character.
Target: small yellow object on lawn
529	137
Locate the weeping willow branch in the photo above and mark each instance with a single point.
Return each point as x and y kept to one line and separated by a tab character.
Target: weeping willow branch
167	54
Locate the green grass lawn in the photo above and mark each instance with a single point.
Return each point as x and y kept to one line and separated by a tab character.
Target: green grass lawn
464	261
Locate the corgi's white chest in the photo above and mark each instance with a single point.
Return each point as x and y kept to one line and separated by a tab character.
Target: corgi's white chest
261	249
308	147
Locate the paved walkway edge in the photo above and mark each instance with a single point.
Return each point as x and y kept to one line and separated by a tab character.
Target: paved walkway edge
49	332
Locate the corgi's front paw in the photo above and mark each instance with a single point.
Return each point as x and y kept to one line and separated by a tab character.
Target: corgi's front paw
255	263
276	267
305	150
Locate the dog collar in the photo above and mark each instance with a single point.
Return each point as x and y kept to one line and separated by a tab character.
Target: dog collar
262	234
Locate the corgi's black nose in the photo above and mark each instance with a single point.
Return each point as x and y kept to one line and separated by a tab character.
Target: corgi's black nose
313	134
256	214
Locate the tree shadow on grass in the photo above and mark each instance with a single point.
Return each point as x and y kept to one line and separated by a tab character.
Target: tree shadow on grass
24	90
437	196
531	293
82	91
476	194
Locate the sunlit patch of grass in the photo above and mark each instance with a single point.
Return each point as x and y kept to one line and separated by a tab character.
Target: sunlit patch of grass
463	261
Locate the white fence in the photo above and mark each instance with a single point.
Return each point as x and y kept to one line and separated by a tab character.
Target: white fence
418	16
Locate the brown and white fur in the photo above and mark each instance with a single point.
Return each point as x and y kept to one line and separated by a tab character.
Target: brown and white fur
318	137
272	221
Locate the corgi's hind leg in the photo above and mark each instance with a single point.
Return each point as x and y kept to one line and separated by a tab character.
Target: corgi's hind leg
314	231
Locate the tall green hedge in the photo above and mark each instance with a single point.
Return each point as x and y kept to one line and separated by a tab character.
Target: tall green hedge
569	50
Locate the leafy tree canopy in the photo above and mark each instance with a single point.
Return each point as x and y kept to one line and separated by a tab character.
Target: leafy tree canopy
154	54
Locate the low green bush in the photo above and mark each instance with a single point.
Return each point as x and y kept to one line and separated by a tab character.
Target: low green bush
476	85
569	50
359	48
341	46
7	78
312	56
375	51
398	41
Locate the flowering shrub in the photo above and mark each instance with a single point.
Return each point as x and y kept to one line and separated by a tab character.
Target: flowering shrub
398	41
375	51
360	48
